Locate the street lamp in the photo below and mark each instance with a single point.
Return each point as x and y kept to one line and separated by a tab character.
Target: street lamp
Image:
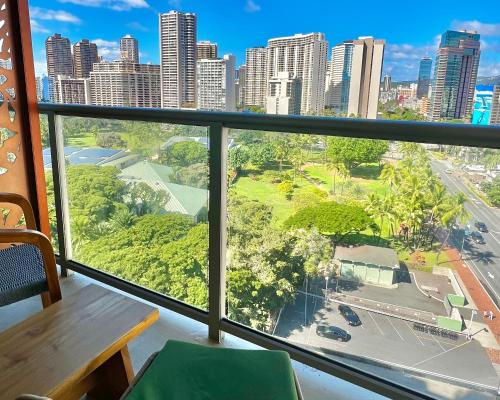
474	312
326	289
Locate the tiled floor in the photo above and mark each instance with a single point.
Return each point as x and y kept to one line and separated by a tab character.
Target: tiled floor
315	384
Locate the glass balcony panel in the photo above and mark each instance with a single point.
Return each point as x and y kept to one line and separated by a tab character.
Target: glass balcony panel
365	251
138	198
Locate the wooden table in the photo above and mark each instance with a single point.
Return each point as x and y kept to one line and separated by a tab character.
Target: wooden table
76	346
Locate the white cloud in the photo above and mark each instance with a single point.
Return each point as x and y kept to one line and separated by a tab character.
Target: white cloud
489	68
53	15
251	6
174	3
137	26
482	28
118	5
108	49
37	28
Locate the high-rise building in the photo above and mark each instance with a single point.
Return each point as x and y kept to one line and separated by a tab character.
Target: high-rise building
495	106
387	83
304	56
455	75
240	85
255	79
337	86
366	70
206	50
129	49
215	84
125	84
84	56
425	104
59	58
424	77
178	59
69	90
283	94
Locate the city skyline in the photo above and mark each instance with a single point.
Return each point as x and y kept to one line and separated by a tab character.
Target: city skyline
229	27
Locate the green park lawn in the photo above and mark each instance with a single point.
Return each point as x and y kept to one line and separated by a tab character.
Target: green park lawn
86	140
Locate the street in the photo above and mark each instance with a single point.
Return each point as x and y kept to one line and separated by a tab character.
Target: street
482	259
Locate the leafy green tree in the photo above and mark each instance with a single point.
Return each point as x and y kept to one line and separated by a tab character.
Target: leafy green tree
183	154
261	154
492	190
195	175
143	200
238	156
286	188
331	219
352	152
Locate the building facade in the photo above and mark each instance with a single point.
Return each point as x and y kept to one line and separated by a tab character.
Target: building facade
366	70
304	57
455	75
283	95
337	92
69	90
178	59
84	56
255	79
216	78
424	77
129	49
125	84
240	85
206	50
387	83
59	58
495	106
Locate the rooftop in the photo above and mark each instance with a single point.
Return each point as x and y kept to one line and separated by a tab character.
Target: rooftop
381	256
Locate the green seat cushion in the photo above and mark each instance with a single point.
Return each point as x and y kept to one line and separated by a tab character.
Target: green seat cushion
185	371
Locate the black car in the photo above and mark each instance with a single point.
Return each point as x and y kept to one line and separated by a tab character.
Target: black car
477	237
332	332
350	316
481	227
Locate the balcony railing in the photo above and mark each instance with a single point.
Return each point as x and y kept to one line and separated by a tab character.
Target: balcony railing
217	127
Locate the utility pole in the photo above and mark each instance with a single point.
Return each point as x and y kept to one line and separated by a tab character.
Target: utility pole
474	312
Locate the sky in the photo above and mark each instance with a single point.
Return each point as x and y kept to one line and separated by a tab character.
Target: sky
411	28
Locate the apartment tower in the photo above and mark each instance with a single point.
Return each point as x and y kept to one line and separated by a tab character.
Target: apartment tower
304	57
129	49
71	90
495	106
424	77
387	83
84	57
216	78
206	50
366	70
283	95
59	58
455	75
339	77
178	59
255	77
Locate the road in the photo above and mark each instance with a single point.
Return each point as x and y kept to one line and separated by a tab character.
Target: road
482	259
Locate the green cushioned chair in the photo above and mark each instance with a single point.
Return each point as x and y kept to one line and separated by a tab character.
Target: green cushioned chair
185	371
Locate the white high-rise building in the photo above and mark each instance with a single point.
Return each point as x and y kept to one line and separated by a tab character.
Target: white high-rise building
69	90
339	77
366	71
125	84
304	56
206	50
129	49
178	59
216	89
255	77
283	95
240	85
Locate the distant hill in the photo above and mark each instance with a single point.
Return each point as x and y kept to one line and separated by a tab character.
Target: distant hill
488	80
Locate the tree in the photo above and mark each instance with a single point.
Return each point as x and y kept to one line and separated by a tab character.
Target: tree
352	152
183	154
195	175
238	156
331	219
492	190
261	154
286	188
143	200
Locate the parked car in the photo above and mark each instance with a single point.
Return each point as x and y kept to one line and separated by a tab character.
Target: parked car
448	171
477	237
350	316
481	226
333	332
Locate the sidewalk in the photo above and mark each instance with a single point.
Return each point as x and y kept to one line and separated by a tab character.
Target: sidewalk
477	293
385	308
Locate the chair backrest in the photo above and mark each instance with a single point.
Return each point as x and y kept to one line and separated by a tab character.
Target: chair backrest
28	269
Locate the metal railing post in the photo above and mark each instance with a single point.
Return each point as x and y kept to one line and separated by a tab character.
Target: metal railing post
60	189
217	230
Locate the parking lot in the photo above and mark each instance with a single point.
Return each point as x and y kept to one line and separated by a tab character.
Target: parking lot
387	339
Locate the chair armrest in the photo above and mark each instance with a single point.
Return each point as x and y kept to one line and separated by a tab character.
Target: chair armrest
31	397
23	203
43	243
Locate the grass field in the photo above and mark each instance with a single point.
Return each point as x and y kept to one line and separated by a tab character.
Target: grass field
87	140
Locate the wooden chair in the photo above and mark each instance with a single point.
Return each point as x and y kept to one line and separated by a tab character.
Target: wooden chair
28	267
